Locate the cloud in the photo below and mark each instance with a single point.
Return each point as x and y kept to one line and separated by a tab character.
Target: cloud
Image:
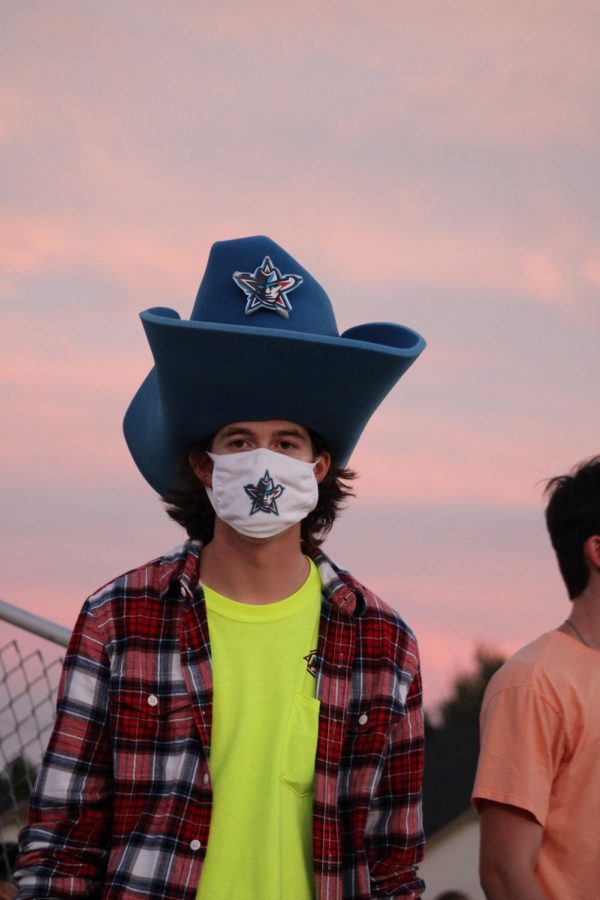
52	243
424	146
431	164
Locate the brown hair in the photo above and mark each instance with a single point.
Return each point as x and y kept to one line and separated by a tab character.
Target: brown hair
191	508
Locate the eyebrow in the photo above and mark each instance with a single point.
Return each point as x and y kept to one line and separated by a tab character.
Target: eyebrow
281	432
290	432
227	432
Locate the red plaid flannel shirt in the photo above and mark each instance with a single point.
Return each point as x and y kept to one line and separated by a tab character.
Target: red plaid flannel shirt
122	805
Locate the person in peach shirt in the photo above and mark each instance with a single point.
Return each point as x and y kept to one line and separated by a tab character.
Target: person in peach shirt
537	786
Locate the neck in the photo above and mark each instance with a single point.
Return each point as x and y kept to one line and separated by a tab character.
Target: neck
585	616
250	570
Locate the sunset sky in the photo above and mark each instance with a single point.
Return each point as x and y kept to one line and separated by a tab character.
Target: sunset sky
431	163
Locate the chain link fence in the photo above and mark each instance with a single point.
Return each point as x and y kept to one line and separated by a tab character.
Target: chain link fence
28	686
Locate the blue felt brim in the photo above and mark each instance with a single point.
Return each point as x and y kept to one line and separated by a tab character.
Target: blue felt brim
207	375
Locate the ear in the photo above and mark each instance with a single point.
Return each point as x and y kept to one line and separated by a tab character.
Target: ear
591	550
202	466
322	467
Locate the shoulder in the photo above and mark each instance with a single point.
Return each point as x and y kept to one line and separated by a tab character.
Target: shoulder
536	666
383	627
531	686
146	584
381	632
378	615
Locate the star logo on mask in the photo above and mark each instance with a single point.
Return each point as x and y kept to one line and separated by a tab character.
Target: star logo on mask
267	288
264	495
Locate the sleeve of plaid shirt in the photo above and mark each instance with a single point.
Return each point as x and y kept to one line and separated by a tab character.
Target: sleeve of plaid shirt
396	838
63	849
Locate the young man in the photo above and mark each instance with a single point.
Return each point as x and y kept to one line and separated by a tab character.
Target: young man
240	719
538	781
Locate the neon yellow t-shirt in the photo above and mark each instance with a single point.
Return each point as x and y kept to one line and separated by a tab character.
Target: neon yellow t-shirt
264	739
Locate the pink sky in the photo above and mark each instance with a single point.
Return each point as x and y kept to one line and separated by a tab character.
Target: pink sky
431	164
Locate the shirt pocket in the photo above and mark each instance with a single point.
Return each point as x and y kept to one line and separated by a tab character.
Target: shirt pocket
368	732
370	720
151	716
300	745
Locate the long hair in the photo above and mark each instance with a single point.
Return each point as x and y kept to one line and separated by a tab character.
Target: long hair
191	508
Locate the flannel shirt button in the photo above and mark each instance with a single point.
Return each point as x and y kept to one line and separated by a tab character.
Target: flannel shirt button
152	700
195	844
206	778
183	592
362	720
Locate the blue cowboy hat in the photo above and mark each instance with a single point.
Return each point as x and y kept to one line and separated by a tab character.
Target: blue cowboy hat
262	343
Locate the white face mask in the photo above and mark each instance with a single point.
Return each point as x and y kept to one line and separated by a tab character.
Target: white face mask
260	493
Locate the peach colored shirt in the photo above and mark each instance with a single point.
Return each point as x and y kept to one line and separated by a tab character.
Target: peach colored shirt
540	751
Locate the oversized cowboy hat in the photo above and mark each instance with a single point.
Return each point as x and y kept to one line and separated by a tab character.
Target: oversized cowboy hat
262	343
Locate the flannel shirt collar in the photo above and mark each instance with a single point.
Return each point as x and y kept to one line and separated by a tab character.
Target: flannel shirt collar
339	587
182	567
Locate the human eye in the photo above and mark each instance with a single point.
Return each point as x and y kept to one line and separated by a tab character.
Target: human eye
238	443
290	446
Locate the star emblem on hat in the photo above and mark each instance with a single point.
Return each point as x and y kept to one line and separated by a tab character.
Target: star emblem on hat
267	288
264	495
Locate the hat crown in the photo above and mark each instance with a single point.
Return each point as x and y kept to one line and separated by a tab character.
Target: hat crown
253	282
262	344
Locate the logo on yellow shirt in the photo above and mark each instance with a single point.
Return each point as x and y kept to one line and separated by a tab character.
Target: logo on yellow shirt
311	663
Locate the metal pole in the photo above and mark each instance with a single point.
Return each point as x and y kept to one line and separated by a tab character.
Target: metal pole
35	624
